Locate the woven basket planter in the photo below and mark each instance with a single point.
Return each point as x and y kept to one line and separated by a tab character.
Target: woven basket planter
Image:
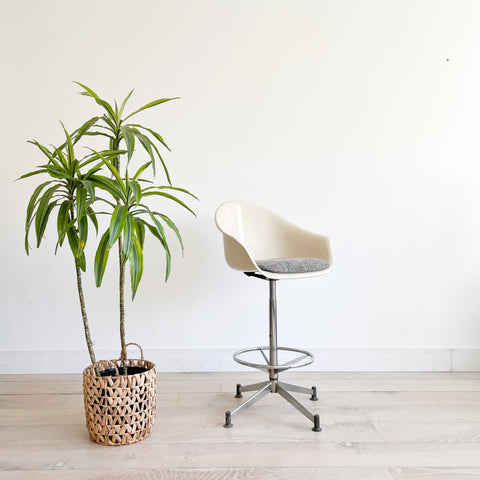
120	409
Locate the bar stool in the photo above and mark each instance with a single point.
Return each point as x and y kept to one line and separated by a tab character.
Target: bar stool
266	246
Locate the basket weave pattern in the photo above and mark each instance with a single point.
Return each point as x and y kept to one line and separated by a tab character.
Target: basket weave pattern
120	409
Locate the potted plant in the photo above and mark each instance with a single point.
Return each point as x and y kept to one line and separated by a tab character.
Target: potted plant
119	394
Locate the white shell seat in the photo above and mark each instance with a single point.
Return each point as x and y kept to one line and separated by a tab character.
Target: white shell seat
258	240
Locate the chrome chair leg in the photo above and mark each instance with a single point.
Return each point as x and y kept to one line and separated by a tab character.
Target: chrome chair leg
249	388
295	388
253	399
293	401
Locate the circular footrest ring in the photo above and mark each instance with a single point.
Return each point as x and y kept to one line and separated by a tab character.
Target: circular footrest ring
304	358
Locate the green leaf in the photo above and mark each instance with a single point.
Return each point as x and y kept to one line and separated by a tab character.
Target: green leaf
44	221
80	132
136	265
75	169
117	223
154	133
81	262
170	187
103	103
139	229
74	243
87	184
146	143
72	240
109	185
164	165
159	226
93	218
114	171
58	172
82	233
150	105
171	197
45	150
127	237
30	212
33	201
63	220
173	227
108	154
68	226
96	134
91	172
43	212
124	103
101	199
163	239
101	257
112	126
35	172
160	139
154	231
70	154
81	201
129	140
141	170
62	160
137	191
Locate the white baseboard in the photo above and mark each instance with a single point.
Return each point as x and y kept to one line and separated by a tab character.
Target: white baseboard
220	360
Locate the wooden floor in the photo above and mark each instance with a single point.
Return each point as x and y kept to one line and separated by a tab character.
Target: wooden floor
376	426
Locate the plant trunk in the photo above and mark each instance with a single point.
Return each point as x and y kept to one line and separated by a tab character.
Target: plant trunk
121	283
86	326
122	301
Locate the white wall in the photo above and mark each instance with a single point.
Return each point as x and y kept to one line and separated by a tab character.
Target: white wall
357	119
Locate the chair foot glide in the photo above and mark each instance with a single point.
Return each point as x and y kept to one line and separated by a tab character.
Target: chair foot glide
228	420
239	393
314	397
316	423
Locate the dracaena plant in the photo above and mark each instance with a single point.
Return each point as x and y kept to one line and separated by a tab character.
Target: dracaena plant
68	196
131	217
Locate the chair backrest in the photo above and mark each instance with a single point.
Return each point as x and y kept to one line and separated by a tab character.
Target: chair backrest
252	232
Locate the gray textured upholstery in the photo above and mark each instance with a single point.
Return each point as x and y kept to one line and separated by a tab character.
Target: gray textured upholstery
293	265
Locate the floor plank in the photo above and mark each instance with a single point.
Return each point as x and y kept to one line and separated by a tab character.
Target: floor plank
249	455
271	473
435	473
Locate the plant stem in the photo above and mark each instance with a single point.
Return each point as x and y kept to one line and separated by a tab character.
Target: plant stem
116	162
86	326
122	301
83	308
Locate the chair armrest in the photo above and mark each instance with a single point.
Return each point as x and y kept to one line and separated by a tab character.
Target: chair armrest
237	256
304	243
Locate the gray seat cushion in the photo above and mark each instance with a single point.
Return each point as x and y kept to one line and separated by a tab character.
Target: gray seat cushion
293	265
